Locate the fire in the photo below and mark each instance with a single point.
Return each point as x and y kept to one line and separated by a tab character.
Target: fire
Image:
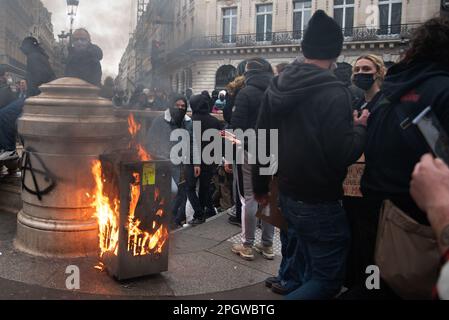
140	242
133	129
106	214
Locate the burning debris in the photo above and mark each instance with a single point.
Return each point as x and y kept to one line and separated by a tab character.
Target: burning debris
130	194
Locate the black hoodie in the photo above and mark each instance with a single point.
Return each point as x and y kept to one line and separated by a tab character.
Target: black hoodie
85	64
391	152
247	102
317	139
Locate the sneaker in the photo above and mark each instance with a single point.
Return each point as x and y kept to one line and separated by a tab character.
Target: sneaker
243	251
211	213
8	156
266	252
196	222
270	281
235	221
231	212
278	288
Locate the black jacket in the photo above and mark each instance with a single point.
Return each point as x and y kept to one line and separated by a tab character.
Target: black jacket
312	112
247	101
6	95
391	152
39	71
200	113
85	65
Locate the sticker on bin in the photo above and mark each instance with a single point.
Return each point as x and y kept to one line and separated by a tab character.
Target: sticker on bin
149	174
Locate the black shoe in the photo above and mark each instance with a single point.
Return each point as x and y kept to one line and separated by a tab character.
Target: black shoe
235	221
210	213
196	222
270	281
279	289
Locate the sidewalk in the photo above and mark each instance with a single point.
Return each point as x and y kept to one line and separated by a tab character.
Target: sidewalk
201	266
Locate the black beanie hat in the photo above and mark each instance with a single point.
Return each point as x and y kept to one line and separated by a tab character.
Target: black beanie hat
323	39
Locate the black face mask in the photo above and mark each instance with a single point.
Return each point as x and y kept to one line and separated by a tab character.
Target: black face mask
177	115
364	81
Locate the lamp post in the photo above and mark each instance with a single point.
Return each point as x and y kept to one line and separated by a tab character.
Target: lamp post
72	8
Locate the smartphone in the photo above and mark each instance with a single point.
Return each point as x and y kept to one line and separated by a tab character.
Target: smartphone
434	134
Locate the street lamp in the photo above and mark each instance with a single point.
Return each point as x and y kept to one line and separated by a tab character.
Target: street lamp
72	8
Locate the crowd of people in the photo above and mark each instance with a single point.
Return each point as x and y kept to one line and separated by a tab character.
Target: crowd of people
326	121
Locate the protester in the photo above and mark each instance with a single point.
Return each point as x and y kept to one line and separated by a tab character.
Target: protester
430	189
119	99
258	76
220	103
84	58
6	94
200	109
22	89
395	146
344	72
158	143
38	72
107	89
318	139
363	214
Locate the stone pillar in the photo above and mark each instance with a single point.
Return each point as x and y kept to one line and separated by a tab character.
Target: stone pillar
64	129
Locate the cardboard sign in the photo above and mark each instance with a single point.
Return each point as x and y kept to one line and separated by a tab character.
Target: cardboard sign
351	185
272	213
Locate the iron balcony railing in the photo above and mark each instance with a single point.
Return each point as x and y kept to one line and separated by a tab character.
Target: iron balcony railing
391	32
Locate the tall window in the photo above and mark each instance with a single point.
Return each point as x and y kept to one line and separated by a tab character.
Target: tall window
344	15
302	11
390	12
264	22
229	24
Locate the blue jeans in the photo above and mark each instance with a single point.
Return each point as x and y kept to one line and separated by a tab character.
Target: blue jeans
324	237
8	124
289	276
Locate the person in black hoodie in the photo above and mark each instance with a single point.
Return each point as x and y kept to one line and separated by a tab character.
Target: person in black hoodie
394	145
258	76
201	116
38	72
84	59
319	138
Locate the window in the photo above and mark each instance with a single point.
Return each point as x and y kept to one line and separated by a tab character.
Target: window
344	15
302	11
264	21
390	12
229	24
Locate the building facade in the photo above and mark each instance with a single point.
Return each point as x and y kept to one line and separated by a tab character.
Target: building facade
19	19
198	43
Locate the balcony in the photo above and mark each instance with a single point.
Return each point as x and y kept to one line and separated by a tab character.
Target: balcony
356	34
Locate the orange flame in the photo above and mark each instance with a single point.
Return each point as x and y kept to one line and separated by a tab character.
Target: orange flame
133	128
106	214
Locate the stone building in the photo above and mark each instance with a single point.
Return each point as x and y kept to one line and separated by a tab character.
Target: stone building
198	43
19	19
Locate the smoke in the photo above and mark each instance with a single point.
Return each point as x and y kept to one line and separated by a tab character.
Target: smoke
109	23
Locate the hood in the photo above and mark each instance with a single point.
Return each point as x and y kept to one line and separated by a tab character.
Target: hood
199	104
258	78
297	83
402	77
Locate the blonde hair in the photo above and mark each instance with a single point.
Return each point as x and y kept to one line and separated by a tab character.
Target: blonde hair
381	70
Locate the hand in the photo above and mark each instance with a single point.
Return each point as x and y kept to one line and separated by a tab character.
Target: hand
430	184
263	199
228	167
363	119
197	171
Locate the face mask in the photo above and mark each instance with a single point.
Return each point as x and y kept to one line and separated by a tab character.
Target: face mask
364	81
177	115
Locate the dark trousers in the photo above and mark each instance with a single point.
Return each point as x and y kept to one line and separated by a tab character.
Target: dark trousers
201	203
323	233
8	124
289	275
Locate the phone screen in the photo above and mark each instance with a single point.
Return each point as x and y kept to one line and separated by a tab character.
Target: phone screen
435	135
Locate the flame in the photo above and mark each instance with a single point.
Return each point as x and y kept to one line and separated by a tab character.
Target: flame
133	129
106	214
141	242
